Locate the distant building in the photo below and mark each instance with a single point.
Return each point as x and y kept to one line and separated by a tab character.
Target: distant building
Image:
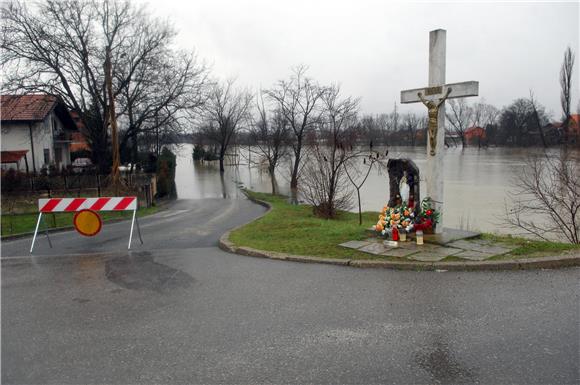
574	128
556	130
36	132
475	135
78	139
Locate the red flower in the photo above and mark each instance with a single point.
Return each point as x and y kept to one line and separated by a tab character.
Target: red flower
429	212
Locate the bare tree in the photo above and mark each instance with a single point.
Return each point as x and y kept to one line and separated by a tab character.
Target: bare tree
517	121
460	117
324	183
59	47
357	174
298	100
537	119
394	118
566	93
269	134
484	114
225	110
547	198
411	124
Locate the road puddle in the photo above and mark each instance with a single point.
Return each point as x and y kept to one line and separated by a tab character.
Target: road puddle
139	271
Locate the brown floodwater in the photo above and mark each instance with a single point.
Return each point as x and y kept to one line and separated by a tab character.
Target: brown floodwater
477	181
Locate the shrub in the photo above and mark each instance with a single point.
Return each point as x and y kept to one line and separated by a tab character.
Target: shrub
166	174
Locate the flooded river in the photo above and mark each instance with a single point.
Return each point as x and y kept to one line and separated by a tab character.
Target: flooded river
477	182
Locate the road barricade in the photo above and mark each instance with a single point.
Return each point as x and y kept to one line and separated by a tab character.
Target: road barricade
63	205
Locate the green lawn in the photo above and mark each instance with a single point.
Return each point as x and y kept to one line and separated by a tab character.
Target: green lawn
24	223
294	229
529	248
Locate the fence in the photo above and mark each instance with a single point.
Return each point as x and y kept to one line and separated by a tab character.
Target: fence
75	184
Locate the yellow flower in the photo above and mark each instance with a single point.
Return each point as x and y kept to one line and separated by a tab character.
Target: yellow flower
379	227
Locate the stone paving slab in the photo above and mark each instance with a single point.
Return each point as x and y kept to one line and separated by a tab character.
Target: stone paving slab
449	235
355	244
482	246
435	254
398	252
473	255
373	248
412	245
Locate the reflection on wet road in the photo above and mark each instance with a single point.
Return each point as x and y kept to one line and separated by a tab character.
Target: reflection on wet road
442	363
139	271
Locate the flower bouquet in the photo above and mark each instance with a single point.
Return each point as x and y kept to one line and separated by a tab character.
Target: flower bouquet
427	218
399	218
403	218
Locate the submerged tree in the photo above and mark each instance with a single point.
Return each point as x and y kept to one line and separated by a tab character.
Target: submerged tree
269	133
460	117
298	100
566	93
225	111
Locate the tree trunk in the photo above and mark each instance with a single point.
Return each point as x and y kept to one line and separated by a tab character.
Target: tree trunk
294	180
359	208
271	171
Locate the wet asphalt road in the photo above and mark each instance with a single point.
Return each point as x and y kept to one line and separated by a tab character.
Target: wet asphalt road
179	310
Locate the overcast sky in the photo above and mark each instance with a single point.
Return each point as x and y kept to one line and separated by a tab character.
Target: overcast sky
375	49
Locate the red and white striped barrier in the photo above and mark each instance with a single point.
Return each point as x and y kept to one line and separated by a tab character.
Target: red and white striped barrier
59	205
63	205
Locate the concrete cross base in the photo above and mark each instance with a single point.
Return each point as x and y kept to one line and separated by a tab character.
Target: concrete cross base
447	236
450	243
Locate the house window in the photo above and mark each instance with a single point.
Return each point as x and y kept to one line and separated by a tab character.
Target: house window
46	156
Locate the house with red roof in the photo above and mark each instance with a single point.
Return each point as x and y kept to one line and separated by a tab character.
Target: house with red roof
574	128
557	128
475	135
36	132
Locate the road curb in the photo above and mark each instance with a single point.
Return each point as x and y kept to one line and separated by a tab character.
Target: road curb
519	264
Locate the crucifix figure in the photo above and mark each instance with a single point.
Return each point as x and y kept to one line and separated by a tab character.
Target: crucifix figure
433	111
434	97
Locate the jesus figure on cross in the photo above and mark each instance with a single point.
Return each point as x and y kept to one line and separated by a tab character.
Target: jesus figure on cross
433	112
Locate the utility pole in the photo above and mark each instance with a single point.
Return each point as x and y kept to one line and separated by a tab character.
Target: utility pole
113	122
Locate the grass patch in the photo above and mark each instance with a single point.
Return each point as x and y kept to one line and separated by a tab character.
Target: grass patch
25	223
528	247
293	229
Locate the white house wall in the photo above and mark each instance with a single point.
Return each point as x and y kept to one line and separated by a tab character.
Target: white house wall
16	136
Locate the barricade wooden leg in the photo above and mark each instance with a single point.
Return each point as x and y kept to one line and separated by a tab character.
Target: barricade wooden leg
35	231
131	233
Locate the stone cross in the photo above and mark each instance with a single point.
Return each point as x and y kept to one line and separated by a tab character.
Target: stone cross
434	97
